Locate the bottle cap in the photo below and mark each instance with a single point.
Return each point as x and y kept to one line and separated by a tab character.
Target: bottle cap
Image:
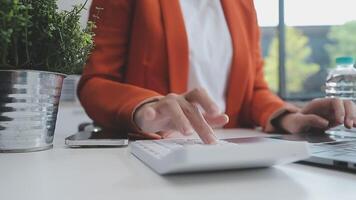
345	60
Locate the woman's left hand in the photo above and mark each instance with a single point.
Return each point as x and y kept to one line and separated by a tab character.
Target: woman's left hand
320	114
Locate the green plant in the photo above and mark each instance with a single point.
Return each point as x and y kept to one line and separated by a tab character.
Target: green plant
34	34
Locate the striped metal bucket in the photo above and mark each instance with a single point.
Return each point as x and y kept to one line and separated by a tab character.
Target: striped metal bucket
28	109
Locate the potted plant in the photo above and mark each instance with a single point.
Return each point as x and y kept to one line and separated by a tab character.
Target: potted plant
38	45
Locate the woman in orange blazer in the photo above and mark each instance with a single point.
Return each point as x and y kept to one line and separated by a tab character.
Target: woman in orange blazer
141	55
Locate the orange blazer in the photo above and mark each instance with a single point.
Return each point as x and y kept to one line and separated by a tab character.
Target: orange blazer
141	51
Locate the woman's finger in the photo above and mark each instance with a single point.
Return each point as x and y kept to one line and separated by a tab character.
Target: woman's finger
201	97
144	116
350	113
171	107
339	110
149	113
198	122
315	121
143	135
180	113
217	120
171	134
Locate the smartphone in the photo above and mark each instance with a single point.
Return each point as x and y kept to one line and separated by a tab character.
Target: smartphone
89	135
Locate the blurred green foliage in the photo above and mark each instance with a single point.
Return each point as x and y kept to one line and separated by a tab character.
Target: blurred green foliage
34	34
297	66
343	41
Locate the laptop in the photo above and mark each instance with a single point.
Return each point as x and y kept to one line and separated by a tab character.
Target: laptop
332	151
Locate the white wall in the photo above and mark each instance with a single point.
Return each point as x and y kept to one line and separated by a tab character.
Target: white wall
67	4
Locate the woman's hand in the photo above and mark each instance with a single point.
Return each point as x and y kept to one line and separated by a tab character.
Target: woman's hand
321	114
181	113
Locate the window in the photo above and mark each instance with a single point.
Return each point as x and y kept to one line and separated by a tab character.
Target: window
316	32
267	14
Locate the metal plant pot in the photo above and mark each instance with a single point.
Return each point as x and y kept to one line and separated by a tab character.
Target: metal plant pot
28	109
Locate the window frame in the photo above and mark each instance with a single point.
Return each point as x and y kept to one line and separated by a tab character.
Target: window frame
281	35
282	90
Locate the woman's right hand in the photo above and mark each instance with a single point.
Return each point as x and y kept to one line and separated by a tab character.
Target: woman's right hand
181	113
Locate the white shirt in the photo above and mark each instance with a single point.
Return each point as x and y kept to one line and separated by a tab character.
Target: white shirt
210	47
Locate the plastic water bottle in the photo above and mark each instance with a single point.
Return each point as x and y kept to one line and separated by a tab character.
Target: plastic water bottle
341	83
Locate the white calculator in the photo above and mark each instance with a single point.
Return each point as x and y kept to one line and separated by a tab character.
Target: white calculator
169	156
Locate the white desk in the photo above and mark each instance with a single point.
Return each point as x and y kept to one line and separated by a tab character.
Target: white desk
105	174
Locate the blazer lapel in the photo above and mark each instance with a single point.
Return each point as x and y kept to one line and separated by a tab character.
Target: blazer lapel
239	74
177	45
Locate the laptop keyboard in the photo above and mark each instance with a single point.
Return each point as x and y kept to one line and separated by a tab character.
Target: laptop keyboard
344	150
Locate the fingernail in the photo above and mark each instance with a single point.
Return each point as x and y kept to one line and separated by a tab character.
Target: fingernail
209	140
350	123
187	133
213	139
227	118
341	119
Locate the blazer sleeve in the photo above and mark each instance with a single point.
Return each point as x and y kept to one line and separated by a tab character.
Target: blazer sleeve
265	104
105	97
